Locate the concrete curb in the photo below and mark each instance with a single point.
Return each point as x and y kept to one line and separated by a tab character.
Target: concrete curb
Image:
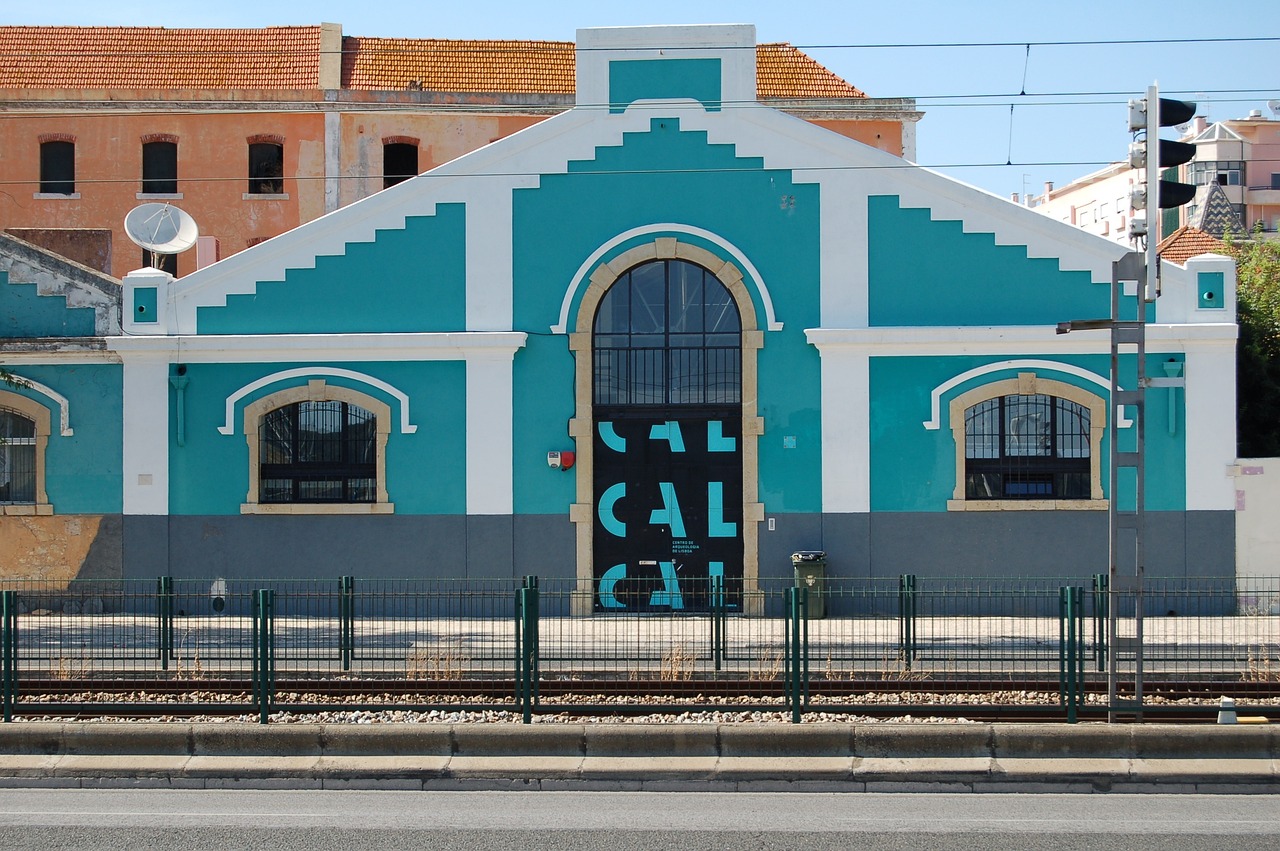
847	757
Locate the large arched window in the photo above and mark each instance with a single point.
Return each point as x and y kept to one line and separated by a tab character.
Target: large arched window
1027	442
668	333
317	449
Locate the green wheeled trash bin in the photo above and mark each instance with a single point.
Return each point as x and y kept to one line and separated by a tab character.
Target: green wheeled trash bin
811	573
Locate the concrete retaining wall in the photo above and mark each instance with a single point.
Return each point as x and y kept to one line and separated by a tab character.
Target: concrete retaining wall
870	757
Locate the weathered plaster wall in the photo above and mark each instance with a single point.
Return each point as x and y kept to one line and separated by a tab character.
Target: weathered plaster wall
60	548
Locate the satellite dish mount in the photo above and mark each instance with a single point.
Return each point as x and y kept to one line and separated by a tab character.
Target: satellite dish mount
161	229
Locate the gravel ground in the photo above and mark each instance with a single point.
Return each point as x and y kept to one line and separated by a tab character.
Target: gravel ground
474	713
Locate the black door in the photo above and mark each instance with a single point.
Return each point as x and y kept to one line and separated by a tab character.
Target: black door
668	444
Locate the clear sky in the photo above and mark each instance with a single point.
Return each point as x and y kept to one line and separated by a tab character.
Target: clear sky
1070	121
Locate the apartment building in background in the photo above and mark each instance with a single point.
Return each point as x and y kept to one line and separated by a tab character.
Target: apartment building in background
1236	171
257	131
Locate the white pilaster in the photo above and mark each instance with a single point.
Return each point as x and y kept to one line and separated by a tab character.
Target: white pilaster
489	257
1211	426
489	434
844	253
846	430
146	433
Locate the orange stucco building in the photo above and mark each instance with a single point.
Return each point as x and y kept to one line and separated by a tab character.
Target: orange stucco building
256	131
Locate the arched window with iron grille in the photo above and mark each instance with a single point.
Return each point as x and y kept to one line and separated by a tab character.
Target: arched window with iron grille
1027	447
317	452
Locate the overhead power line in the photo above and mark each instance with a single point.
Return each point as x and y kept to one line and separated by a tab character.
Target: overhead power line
478	46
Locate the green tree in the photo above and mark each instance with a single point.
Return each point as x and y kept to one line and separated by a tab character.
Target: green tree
1258	349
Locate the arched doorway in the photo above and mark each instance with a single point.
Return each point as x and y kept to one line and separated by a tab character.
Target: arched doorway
666	401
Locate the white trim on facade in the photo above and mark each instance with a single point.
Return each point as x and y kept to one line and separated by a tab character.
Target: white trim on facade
64	405
846	431
751	272
291	348
145	456
490	434
935	397
308	371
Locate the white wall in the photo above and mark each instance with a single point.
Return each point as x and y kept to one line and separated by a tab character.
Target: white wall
1257	484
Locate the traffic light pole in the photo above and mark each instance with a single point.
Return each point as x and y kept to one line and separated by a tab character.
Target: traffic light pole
1140	272
1126	526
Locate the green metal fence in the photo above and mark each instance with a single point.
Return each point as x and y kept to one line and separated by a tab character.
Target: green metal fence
534	646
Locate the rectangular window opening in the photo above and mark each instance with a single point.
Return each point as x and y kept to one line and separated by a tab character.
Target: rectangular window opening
160	168
58	168
266	168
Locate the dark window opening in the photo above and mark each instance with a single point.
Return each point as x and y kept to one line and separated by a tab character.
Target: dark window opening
1027	447
17	458
160	168
318	452
266	168
668	333
163	262
399	163
58	168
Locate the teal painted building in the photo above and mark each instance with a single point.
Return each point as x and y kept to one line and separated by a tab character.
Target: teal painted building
667	336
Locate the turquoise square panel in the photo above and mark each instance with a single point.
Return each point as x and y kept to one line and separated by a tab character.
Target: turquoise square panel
1210	285
144	304
665	79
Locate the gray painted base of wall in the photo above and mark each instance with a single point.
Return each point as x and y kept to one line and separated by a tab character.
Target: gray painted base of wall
366	547
997	543
983	544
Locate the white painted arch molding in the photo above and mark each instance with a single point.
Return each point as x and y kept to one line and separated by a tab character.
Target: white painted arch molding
64	405
228	427
935	397
667	229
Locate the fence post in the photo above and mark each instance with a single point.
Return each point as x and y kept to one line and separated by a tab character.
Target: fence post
264	652
1101	601
9	649
1070	651
164	611
717	620
527	647
346	620
907	619
795	650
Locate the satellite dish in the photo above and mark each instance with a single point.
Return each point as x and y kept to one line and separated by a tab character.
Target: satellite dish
160	228
1274	106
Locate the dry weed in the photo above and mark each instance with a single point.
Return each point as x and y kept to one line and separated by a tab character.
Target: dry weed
1262	666
447	663
677	663
767	666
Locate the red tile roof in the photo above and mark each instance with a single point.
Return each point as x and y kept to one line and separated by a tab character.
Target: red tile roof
543	67
1187	242
783	71
159	58
289	58
458	65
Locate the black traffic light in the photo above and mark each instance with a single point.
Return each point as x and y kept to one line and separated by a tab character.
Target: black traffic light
1147	116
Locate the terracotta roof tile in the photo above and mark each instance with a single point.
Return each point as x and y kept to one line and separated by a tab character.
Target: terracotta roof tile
1187	242
458	65
289	58
543	67
782	71
156	57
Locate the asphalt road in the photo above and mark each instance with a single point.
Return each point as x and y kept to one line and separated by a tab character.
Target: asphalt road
286	820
